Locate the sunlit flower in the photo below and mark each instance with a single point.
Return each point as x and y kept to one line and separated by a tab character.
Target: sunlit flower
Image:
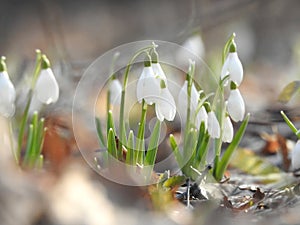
227	134
115	89
213	126
46	88
147	85
183	102
296	156
235	104
165	107
7	92
233	67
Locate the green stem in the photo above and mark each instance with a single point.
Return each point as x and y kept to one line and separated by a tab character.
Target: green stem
122	107
141	134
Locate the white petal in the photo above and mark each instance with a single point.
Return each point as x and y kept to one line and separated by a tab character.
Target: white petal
213	125
115	92
236	105
148	86
165	108
159	72
7	95
233	67
46	88
202	116
227	134
296	156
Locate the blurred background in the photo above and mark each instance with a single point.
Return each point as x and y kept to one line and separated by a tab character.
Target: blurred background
77	32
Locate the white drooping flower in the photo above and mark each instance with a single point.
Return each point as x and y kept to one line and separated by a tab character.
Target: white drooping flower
7	92
233	67
227	134
235	104
158	71
46	87
148	87
183	102
201	116
295	156
165	107
115	90
213	126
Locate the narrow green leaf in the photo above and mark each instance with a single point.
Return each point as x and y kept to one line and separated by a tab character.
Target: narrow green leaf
175	149
230	149
111	143
35	123
153	144
289	91
141	133
130	148
110	121
99	132
28	152
290	124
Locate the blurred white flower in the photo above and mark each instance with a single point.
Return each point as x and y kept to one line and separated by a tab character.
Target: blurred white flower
183	102
236	105
115	89
165	107
233	67
227	134
7	95
213	126
194	44
147	86
296	156
46	87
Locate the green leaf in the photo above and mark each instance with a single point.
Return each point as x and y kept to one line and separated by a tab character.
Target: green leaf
290	124
141	133
99	132
174	181
28	152
110	121
289	91
130	149
153	144
175	149
223	163
111	143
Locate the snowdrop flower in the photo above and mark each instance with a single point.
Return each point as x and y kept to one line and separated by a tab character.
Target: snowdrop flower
148	85
165	107
46	87
201	116
233	66
7	92
235	104
227	134
296	156
183	102
158	71
213	126
115	90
